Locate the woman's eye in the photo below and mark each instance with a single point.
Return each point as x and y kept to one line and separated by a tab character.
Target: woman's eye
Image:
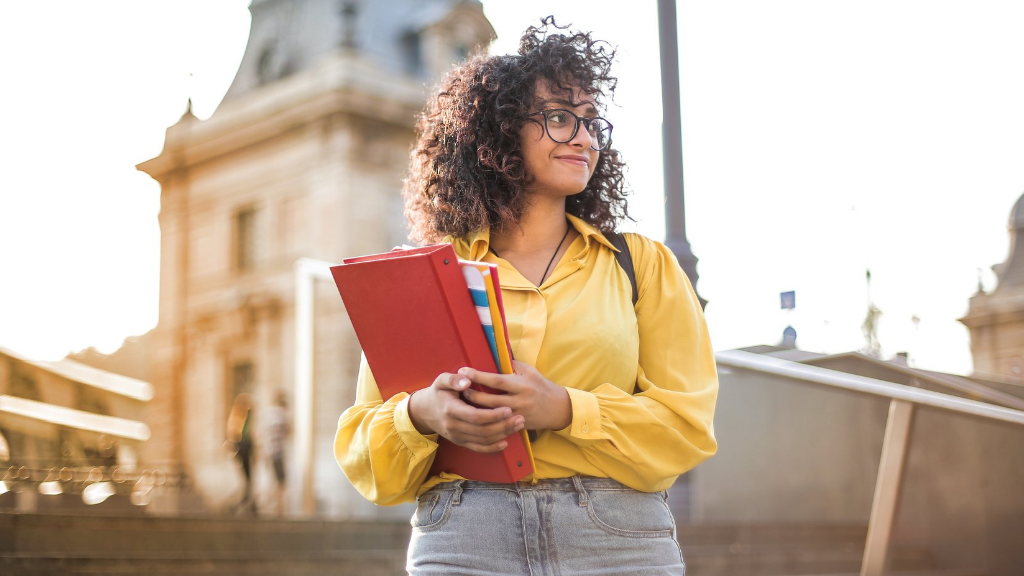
557	116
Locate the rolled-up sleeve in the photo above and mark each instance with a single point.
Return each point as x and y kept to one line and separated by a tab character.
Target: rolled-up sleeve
378	448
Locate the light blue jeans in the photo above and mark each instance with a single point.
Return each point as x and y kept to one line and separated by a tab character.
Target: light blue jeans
564	527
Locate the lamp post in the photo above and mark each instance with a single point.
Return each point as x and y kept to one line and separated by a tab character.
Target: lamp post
672	145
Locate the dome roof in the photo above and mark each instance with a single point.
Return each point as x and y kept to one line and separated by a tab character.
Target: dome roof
1011	272
1017	215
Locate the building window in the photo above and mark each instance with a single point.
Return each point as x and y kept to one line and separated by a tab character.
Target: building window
245	239
412	54
242	378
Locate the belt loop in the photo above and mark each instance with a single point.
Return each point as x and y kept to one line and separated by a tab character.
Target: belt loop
578	483
457	498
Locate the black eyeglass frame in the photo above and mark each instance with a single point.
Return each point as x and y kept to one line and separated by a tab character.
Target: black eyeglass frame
576	126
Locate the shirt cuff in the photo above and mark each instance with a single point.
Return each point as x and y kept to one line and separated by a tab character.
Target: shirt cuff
421	446
586	416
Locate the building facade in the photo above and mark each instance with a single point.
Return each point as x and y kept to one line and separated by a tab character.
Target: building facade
303	159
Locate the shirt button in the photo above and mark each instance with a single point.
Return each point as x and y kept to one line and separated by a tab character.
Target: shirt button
423	444
585	429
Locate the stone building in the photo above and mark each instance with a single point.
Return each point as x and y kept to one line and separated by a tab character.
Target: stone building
996	320
304	158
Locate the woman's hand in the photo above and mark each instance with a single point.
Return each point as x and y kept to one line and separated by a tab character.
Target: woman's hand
440	409
544	404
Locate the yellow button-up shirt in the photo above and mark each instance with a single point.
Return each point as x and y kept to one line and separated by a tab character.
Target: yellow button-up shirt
580	330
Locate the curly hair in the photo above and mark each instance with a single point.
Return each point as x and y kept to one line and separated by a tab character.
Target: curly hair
466	168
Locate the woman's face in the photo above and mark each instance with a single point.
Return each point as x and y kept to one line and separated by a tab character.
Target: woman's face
553	168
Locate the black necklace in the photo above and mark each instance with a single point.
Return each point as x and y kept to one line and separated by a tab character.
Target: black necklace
550	262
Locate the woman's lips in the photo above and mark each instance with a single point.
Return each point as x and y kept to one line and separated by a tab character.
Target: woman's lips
577	160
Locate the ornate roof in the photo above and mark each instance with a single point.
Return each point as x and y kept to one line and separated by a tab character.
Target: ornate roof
398	36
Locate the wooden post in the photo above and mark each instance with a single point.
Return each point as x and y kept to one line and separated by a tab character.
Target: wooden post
887	488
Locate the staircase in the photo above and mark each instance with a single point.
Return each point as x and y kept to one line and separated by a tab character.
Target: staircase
38	544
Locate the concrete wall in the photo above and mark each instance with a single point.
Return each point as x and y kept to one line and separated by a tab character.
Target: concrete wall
789	452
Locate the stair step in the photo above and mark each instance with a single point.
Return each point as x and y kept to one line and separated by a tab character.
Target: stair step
88	535
777	560
929	572
322	565
804	534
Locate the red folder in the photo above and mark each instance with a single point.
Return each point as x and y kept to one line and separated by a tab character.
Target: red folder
414	318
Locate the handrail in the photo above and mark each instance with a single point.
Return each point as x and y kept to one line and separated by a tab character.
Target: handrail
895	443
863	384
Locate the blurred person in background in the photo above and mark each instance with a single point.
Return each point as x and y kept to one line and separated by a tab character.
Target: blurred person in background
240	440
276	430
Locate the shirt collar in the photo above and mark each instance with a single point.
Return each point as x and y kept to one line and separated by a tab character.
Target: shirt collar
475	244
472	246
588	232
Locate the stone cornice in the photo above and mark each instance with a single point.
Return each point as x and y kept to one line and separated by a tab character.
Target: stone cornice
996	308
343	83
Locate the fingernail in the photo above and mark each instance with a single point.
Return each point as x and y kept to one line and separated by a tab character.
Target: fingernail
519	426
463	383
502	445
462	371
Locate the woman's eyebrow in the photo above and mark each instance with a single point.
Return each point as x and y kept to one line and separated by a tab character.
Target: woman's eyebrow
589	110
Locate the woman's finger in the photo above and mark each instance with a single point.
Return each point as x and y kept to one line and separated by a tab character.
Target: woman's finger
503	382
496	447
521	367
459	411
486	400
454	382
487	434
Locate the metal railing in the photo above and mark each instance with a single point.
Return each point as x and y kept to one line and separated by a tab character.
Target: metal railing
93	481
897	433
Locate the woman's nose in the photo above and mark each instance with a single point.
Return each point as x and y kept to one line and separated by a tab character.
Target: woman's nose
582	137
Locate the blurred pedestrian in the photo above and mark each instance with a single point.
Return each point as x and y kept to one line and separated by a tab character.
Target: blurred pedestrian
276	430
239	434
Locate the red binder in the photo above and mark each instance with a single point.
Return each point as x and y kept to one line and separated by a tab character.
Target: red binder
414	318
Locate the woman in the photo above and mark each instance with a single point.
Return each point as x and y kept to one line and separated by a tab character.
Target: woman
513	166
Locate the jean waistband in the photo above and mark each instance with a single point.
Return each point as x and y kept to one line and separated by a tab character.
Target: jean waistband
571	484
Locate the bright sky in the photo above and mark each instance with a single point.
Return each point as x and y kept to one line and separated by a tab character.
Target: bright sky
820	139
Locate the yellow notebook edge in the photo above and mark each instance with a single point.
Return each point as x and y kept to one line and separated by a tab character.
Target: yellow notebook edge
500	333
505	361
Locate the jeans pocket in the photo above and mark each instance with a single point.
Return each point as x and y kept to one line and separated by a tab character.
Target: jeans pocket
630	513
432	510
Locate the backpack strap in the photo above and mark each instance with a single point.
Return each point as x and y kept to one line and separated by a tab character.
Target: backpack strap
625	259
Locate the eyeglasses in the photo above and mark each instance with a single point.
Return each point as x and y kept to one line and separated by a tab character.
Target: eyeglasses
562	125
